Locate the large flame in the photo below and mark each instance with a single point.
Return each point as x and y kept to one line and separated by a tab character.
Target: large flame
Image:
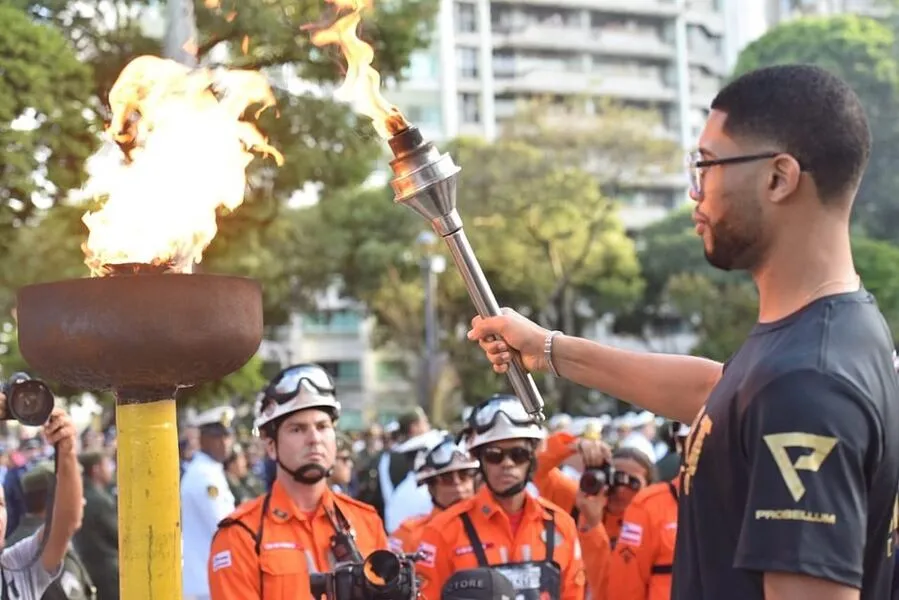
183	152
362	85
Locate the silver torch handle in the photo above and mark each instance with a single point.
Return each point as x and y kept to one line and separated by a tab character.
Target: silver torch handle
487	306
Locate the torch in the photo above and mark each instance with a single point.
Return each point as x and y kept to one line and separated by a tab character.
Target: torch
144	325
425	179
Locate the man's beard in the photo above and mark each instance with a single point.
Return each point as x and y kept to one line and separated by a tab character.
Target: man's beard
736	243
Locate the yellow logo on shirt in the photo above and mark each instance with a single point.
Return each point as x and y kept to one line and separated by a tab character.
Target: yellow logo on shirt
693	450
820	446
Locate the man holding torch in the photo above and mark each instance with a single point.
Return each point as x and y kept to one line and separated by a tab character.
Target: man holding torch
788	490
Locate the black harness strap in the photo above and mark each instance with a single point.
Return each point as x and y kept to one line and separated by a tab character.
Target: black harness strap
662	569
549	530
475	541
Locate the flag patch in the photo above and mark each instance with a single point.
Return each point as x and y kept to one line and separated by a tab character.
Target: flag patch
427	554
631	533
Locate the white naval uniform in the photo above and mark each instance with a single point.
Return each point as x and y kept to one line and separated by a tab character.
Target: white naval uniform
30	583
206	499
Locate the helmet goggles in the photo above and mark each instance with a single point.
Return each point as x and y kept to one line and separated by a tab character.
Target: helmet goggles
484	417
294	381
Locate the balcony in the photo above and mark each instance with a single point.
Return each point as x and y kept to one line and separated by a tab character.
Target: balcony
579	39
652	8
546	80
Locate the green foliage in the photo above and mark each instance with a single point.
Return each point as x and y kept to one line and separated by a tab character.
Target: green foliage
323	142
44	137
862	51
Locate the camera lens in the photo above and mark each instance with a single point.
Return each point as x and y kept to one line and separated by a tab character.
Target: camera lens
592	482
381	568
30	402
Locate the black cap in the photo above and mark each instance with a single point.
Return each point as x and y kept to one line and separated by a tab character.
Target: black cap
478	584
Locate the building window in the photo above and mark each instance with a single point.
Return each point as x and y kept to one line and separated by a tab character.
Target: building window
344	372
466	17
391	370
469	108
468	63
332	321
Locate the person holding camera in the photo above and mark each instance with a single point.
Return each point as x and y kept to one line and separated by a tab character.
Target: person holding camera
269	547
448	470
643	561
529	540
28	567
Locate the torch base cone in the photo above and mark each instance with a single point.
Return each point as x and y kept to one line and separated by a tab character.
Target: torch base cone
149	500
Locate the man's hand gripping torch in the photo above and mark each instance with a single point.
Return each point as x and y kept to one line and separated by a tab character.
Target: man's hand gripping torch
425	181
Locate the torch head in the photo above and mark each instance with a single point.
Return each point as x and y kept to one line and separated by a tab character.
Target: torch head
425	180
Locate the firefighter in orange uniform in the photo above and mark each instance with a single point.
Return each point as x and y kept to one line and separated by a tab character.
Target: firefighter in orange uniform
448	471
529	540
643	559
268	547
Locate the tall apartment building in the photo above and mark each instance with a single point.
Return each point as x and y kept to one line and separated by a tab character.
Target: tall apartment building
668	55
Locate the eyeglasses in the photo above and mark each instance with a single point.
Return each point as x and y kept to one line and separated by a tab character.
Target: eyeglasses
291	381
455	477
484	417
696	166
495	456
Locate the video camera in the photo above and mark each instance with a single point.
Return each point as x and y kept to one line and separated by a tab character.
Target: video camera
28	401
382	576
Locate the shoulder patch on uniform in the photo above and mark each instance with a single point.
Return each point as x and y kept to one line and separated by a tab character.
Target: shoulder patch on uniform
221	560
212	491
631	533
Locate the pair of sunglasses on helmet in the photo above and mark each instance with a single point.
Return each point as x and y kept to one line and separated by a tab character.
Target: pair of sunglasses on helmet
291	382
595	480
444	454
484	417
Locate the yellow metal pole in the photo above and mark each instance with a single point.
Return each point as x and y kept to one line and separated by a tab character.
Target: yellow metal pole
149	500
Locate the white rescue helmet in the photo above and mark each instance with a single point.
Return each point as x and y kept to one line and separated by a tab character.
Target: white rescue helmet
500	418
446	457
296	388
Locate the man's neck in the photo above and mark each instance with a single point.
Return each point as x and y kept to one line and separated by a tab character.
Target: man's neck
513	504
811	265
305	497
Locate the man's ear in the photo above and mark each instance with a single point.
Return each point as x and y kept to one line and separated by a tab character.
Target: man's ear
783	179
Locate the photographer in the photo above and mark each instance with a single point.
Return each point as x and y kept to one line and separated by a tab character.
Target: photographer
28	567
269	546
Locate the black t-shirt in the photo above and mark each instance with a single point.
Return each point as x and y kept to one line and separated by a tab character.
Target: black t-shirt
793	464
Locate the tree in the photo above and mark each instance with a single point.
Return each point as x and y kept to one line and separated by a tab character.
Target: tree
548	238
44	136
323	142
862	51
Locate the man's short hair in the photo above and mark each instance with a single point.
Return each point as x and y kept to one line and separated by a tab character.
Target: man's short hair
807	112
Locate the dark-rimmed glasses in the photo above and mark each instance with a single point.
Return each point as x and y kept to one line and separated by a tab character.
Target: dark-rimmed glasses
697	165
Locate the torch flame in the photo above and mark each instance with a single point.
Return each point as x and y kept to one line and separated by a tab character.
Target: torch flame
362	84
183	153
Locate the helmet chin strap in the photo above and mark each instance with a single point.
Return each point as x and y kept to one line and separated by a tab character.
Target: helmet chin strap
307	474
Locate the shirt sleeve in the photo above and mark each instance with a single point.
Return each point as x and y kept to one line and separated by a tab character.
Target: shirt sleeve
26	551
436	564
807	437
233	567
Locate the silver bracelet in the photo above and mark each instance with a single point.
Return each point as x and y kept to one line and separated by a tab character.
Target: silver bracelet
548	352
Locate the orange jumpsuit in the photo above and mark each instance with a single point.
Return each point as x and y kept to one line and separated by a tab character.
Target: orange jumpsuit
447	548
561	490
292	545
642	561
407	536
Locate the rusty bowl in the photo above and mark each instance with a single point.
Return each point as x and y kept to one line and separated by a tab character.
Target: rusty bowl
145	334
